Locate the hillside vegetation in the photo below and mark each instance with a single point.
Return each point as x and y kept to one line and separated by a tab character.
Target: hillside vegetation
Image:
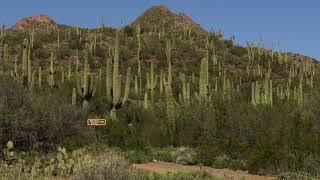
161	85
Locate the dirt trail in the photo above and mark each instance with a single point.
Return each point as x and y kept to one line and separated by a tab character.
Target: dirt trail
164	167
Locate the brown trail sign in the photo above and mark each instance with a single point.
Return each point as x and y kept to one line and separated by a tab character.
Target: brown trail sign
96	122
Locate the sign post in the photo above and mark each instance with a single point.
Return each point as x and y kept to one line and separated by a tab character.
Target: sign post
96	123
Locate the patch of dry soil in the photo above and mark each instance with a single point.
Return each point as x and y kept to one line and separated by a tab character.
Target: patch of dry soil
165	167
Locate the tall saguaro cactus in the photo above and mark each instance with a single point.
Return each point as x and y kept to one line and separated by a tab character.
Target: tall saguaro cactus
127	87
116	80
29	66
152	81
203	80
171	124
138	55
25	60
40	78
74	97
109	79
86	84
51	72
168	54
5	54
184	97
116	100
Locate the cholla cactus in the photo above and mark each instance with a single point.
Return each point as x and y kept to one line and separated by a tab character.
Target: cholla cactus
8	153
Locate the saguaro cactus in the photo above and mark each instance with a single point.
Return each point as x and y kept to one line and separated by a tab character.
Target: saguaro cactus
29	66
74	97
127	87
15	71
40	78
116	84
102	24
52	72
69	72
58	43
138	54
25	60
5	55
152	81
203	80
171	124
168	54
109	79
145	101
86	85
184	97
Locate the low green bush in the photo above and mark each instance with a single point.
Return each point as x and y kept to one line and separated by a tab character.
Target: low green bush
185	156
221	162
193	175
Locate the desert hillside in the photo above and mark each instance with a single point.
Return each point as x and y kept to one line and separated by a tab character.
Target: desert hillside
158	89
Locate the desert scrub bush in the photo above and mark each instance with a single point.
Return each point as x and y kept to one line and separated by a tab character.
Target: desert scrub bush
181	155
221	162
238	164
78	164
294	176
163	154
8	153
106	166
36	122
185	156
136	155
193	175
310	164
41	53
148	154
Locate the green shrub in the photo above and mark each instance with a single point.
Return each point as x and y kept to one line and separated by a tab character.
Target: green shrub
221	162
293	176
237	164
185	156
106	167
137	156
163	154
193	175
39	122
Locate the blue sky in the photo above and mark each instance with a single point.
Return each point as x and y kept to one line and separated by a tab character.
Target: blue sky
295	24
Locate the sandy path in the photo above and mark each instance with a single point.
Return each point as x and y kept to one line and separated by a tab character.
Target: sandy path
164	167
